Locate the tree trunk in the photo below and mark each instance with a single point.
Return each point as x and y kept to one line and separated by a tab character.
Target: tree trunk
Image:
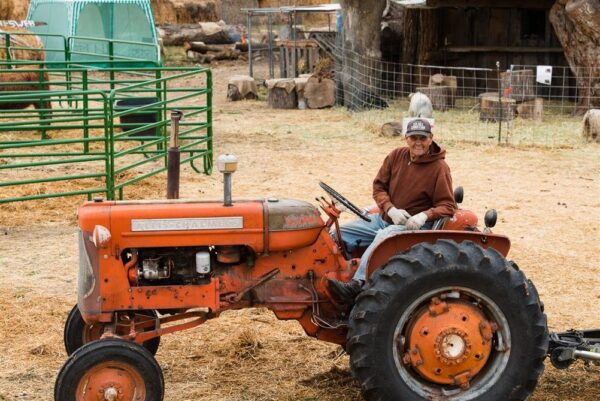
201	47
209	57
520	85
209	33
393	128
441	96
490	109
281	93
531	109
577	26
361	47
319	93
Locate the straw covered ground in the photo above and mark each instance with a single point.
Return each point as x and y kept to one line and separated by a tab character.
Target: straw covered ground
548	200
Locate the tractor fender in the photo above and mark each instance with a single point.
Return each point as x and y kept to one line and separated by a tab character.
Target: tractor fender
405	240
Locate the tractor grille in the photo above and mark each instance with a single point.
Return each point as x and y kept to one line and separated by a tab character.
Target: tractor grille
86	279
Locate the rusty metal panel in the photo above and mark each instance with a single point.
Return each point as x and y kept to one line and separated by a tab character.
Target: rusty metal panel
174	296
289	215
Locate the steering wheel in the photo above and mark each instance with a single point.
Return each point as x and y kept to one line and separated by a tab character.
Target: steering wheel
342	200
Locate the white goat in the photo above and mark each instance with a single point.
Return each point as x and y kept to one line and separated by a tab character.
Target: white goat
420	106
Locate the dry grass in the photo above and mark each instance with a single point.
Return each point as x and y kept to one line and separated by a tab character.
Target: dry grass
548	201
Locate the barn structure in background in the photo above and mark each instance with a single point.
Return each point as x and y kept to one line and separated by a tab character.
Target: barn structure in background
471	33
388	46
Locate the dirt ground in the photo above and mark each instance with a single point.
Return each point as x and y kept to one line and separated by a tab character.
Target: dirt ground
548	202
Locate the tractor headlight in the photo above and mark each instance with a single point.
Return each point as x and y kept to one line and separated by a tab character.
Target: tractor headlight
100	237
87	258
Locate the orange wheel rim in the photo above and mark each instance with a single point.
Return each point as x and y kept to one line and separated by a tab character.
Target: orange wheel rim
448	342
112	381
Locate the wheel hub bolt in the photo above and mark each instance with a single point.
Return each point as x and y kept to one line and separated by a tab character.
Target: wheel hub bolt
453	346
110	394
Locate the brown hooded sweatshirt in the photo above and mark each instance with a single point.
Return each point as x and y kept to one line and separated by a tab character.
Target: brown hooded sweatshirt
424	185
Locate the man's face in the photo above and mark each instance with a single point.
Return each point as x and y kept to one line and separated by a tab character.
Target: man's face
418	145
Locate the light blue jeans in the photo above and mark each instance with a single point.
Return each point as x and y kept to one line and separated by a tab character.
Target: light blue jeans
362	233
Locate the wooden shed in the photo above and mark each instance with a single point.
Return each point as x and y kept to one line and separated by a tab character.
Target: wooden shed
471	33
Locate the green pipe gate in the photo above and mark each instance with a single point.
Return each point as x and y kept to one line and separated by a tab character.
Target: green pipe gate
97	131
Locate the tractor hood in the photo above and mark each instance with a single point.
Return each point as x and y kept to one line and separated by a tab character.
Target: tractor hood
263	225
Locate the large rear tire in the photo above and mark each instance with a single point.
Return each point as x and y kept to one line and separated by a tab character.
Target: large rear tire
78	333
448	321
110	370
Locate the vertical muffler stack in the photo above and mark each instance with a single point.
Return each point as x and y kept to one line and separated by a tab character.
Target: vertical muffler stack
174	158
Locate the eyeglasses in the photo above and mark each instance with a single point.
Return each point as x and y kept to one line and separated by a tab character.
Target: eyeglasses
416	138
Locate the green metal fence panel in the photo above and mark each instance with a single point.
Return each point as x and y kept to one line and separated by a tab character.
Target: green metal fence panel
97	131
72	51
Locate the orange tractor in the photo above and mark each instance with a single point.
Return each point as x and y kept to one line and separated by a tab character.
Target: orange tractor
444	315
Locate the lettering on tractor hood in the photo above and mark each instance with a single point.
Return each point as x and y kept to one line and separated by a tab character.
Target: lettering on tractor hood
187	224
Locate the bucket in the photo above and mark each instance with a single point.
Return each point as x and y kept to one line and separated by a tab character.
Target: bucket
140	118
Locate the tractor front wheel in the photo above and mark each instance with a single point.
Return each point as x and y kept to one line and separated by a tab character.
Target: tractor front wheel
448	321
78	333
110	370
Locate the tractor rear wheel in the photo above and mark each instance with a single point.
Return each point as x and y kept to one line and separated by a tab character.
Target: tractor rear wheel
78	333
110	370
448	321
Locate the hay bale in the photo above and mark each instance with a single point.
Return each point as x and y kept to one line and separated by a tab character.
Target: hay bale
6	9
184	11
23	81
591	126
31	42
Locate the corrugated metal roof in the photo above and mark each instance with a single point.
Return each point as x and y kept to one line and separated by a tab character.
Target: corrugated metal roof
320	8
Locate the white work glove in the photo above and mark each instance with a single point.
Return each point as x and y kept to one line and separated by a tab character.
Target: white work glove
398	216
417	221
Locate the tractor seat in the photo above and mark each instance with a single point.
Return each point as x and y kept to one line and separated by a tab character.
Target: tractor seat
459	193
439	223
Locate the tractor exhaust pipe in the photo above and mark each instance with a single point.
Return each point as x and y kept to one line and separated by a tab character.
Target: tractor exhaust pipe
227	164
174	157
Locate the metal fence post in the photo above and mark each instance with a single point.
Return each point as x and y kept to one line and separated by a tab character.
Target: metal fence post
271	69
499	102
249	39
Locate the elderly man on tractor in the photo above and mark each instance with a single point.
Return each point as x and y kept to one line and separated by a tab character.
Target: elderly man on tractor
412	189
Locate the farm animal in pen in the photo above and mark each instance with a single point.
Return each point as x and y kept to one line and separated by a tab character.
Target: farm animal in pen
420	106
365	99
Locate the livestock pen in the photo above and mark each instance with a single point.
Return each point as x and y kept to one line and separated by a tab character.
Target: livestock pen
101	129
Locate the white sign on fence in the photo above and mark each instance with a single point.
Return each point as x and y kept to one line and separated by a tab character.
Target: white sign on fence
544	74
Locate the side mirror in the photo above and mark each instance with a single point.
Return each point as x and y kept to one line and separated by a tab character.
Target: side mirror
491	216
459	193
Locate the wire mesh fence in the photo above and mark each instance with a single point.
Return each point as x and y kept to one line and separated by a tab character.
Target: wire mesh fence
515	104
